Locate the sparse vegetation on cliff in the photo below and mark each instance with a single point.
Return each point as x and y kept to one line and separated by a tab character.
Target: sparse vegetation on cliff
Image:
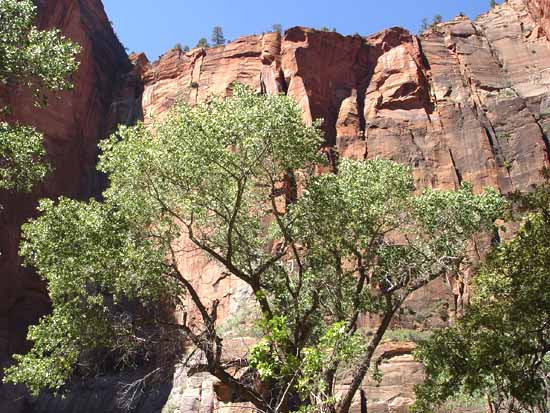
203	43
217	38
425	25
278	28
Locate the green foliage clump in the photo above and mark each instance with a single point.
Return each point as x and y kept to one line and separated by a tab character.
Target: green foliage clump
278	28
402	334
236	179
326	29
31	57
425	25
203	42
38	60
217	38
98	242
21	157
502	346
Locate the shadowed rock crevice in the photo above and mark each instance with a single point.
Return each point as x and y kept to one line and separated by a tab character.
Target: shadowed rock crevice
466	101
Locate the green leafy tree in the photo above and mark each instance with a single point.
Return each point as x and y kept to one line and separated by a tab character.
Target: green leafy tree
502	346
492	4
438	18
373	242
424	25
203	43
217	36
277	28
38	60
235	179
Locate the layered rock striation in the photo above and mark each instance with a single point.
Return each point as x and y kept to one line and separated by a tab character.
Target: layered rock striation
467	101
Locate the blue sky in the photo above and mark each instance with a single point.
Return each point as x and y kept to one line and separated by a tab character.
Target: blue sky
154	26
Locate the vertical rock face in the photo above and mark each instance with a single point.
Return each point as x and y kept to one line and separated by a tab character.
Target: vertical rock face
540	11
194	76
72	124
469	100
466	101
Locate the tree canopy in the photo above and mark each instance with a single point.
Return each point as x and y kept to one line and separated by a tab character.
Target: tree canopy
39	60
203	42
218	38
502	346
236	177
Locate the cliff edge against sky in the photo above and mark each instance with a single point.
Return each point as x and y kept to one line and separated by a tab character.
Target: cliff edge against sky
465	101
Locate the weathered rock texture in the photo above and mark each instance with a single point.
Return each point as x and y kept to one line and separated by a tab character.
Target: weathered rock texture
72	123
466	101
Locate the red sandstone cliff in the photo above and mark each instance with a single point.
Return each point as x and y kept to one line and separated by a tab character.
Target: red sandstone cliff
467	101
72	123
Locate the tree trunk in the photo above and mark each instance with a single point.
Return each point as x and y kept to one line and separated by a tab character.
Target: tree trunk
364	365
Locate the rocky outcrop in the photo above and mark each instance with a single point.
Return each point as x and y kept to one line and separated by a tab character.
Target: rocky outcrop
466	101
540	12
72	124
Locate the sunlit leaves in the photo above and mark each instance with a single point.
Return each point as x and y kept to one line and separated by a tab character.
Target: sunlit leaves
235	179
37	60
214	166
21	157
211	170
501	346
367	219
31	57
94	260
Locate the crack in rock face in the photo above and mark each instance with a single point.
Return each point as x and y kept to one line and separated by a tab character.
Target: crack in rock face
468	100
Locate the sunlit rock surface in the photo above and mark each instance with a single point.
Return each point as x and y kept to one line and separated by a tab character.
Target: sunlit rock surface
466	101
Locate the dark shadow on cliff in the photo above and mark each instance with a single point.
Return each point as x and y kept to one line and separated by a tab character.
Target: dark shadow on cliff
122	393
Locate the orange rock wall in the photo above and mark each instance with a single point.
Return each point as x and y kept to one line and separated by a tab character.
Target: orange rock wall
466	101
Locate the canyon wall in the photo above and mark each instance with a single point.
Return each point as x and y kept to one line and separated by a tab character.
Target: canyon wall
466	101
72	123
